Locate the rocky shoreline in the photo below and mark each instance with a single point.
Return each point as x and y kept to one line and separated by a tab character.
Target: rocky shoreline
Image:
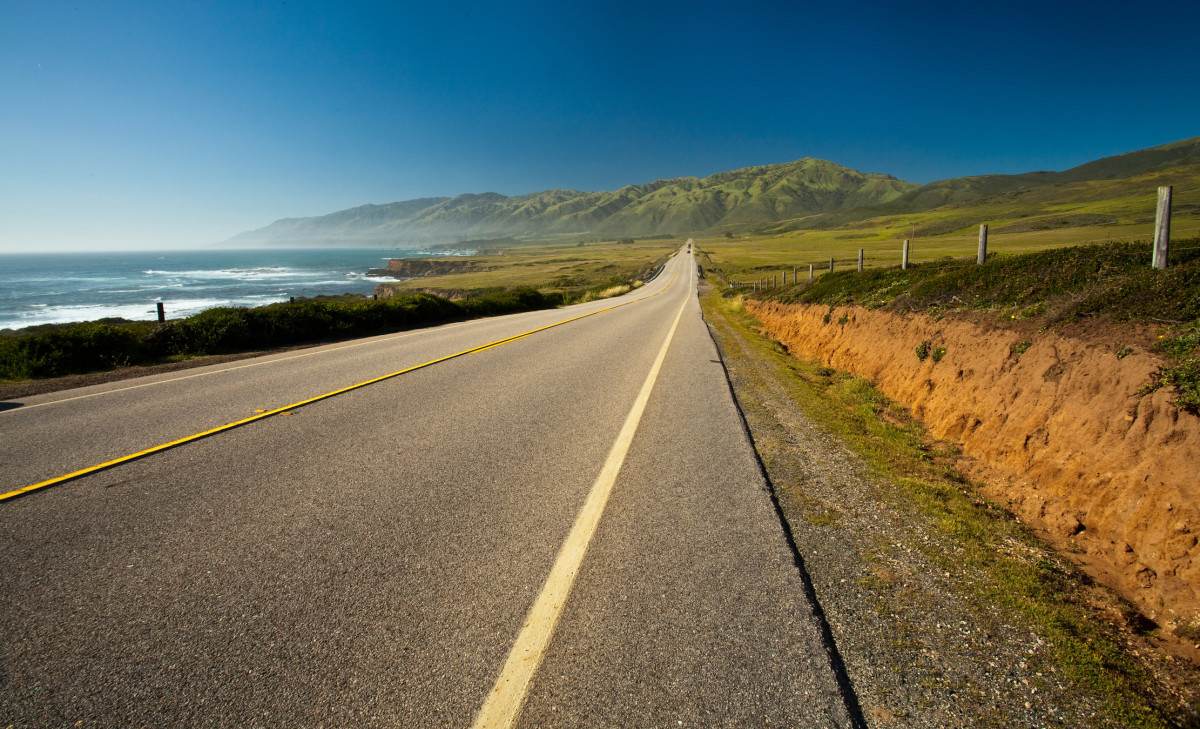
420	267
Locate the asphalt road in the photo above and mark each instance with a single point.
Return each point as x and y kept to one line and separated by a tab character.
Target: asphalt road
370	559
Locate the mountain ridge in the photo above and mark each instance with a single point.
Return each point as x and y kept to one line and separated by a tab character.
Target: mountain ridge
805	193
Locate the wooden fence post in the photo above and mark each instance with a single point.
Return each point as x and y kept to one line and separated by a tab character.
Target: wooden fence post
1162	229
810	272
162	314
860	260
831	265
904	257
979	259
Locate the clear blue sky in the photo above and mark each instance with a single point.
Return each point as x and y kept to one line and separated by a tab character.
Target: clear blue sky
174	124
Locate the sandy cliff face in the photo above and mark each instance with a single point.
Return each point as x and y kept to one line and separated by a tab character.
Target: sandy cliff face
1058	433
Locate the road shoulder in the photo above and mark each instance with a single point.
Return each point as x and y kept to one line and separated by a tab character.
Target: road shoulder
923	639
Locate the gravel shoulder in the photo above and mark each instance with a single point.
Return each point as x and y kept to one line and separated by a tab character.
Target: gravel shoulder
920	644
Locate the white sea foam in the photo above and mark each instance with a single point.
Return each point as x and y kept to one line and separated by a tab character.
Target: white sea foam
175	309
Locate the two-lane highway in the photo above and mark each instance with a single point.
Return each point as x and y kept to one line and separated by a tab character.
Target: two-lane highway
378	558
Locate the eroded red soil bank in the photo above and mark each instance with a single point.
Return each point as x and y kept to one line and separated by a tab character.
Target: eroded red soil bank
1058	433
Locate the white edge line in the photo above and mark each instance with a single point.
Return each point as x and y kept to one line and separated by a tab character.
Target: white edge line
507	697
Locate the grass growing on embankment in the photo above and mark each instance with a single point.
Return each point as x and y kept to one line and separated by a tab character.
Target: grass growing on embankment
1111	282
1015	572
55	350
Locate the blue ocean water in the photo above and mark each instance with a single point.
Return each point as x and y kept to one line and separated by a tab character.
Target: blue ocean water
70	287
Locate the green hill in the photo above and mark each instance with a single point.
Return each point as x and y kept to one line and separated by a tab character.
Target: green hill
728	200
808	194
1106	191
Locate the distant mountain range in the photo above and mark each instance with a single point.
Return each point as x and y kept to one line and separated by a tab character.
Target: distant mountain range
807	193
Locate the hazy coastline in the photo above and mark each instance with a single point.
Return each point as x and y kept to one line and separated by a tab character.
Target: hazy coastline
55	288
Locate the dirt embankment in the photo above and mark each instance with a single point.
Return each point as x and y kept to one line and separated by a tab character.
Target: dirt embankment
1058	433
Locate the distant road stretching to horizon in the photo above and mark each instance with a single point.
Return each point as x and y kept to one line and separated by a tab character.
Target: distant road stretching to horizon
569	528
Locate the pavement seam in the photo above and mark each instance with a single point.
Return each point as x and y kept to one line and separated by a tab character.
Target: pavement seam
836	664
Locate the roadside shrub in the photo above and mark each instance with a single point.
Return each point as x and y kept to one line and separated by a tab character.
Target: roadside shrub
89	347
922	351
70	350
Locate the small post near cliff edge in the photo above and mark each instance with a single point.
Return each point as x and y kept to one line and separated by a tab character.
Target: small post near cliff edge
162	314
831	265
860	260
811	276
904	257
1162	229
979	259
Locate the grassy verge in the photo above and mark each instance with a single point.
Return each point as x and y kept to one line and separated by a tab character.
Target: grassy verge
1111	282
1016	573
54	350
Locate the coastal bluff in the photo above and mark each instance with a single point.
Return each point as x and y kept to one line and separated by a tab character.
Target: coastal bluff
420	267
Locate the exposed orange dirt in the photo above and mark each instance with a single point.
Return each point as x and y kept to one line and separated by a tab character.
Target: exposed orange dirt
1058	433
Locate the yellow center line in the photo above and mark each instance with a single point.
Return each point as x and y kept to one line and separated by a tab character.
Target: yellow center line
238	423
503	705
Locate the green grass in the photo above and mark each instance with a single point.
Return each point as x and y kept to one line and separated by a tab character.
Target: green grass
1183	372
1017	573
1105	281
1109	280
943	219
561	265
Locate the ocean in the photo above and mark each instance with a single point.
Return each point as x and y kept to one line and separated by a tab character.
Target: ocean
71	287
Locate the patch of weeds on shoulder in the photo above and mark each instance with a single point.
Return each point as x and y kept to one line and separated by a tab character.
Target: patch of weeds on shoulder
938	354
923	351
1020	348
1183	374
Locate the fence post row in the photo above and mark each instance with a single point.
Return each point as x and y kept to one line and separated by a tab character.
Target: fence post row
1159	259
1162	228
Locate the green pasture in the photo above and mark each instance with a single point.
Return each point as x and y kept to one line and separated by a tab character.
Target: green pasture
1019	221
554	265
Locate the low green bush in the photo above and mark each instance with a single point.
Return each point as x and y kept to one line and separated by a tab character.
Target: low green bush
89	347
77	348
